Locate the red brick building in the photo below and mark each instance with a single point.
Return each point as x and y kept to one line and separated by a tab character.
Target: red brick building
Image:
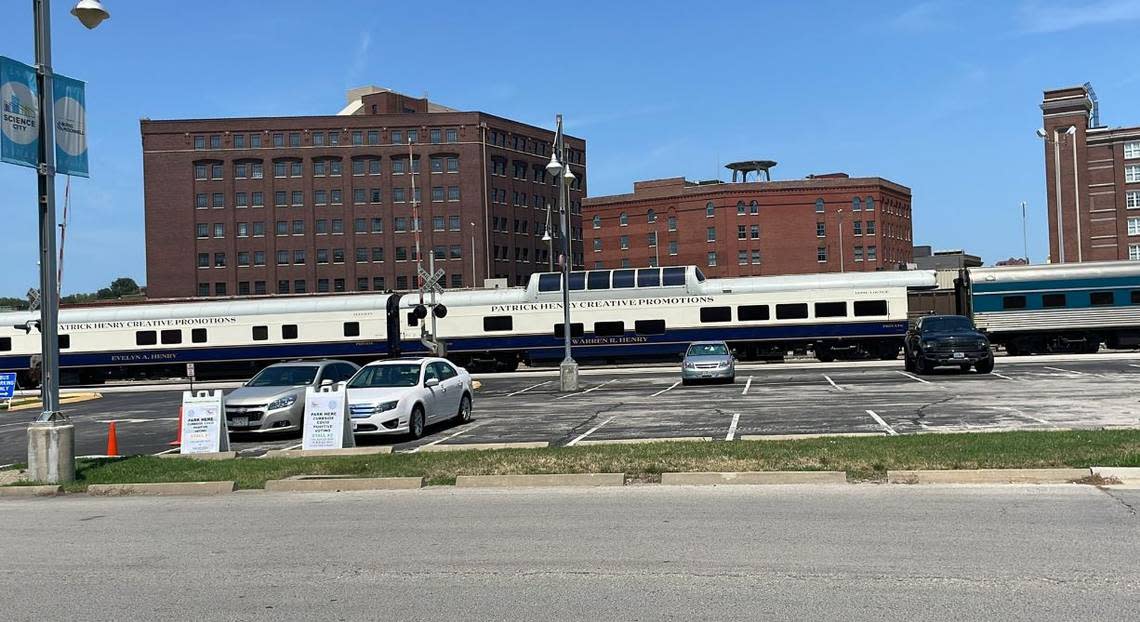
826	223
282	205
1092	178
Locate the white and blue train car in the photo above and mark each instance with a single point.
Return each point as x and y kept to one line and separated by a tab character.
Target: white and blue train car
1058	308
639	314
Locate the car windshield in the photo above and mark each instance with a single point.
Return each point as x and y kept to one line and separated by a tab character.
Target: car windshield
284	376
708	349
378	376
947	324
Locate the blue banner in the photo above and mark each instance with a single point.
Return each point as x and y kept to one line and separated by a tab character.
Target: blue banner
70	126
19	131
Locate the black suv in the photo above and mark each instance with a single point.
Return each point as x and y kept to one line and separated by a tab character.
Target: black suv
946	340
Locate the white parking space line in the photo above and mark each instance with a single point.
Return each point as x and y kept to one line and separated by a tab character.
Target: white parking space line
672	386
534	386
832	382
1032	418
732	427
1133	365
1065	371
1002	376
912	377
587	390
880	421
297	446
449	436
589	432
746	386
167	451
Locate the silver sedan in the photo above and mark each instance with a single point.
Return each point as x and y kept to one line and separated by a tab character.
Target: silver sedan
708	360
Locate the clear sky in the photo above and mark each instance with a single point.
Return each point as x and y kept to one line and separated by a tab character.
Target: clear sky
941	96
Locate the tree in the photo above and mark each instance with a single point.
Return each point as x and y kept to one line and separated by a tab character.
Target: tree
119	288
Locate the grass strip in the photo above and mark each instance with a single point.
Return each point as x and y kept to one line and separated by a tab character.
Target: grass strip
864	459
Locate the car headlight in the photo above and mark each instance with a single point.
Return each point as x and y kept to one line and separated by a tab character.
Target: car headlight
723	364
282	402
387	406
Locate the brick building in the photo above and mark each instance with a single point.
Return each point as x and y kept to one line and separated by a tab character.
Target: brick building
276	205
1094	203
825	223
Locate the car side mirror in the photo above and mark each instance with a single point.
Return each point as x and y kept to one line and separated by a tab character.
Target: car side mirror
431	382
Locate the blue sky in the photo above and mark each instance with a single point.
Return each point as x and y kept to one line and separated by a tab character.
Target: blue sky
941	96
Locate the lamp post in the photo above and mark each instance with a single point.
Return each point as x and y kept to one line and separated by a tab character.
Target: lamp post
842	257
473	254
1056	140
51	437
549	240
1024	232
568	370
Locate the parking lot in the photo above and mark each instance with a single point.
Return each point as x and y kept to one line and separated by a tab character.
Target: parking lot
649	403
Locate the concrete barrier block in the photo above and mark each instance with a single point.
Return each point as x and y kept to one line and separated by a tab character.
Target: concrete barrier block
345	484
30	491
317	453
1126	475
534	481
221	455
170	488
482	446
754	478
801	437
988	476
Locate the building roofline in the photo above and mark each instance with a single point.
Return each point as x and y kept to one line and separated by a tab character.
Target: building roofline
695	190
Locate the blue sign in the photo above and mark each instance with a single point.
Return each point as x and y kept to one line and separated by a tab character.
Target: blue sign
19	131
70	126
7	386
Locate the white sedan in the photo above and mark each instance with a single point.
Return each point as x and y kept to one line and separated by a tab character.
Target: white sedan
403	396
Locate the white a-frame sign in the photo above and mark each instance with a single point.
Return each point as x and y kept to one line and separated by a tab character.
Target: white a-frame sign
327	424
203	423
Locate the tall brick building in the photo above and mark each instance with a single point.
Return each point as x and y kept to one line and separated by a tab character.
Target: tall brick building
1092	178
826	223
249	206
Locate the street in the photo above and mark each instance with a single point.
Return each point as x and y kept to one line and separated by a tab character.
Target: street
864	552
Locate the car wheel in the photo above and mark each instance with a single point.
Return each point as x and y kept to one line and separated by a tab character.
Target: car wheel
985	366
464	414
416	423
908	362
730	380
685	381
921	367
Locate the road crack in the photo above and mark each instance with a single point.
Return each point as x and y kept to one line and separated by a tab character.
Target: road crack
584	425
1127	506
920	411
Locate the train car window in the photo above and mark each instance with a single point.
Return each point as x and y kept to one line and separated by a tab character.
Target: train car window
198	335
576	330
598	279
352	329
792	311
289	331
831	309
550	282
716	314
1100	299
673	276
498	323
649	277
864	308
752	313
260	333
649	327
64	342
1013	302
1053	300
1136	296
5	344
577	280
609	329
171	337
623	278
146	338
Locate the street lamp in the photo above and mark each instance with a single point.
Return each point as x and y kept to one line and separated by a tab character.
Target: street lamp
1056	140
51	437
568	370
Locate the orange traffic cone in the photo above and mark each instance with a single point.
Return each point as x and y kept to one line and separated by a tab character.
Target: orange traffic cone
178	439
112	440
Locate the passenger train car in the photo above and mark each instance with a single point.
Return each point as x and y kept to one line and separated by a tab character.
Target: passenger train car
646	313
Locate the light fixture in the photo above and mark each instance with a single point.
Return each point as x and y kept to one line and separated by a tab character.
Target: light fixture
567	176
1041	132
1072	130
554	167
90	13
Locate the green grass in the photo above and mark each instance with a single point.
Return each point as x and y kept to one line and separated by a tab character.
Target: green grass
865	458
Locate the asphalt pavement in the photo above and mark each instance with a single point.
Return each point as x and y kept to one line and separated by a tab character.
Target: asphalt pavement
864	552
650	403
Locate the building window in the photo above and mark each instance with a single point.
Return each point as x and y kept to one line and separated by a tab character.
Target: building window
219	260
870	227
361	254
452	135
278	140
359	196
712	258
754	208
672	223
623	220
821	254
755	257
597	221
1132	200
819	206
218	200
856	204
257	170
215	142
870	206
754	232
623	242
378	283
741	232
597	245
282	258
199	171
203	230
357	137
1132	173
741	208
435	136
219	230
203	260
453	193
710	234
858	253
673	248
651	216
1134	252
259	258
1134	226
298	227
200	143
820	229
453	165
282	288
872	253
1132	150
710	210
742	257
857	227
652	237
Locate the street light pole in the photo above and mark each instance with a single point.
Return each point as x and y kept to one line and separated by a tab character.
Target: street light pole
842	257
568	370
473	281
1024	232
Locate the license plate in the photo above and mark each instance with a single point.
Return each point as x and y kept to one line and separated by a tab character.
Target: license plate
959	355
239	422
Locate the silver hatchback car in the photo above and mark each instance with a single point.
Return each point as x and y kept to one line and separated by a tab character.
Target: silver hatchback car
708	360
274	399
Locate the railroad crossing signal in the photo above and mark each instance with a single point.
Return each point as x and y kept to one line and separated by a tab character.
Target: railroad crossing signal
431	281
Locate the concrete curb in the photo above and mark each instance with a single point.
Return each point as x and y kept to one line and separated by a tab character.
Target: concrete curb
172	488
317	453
30	491
481	446
754	478
1126	475
638	441
988	476
339	484
535	481
66	398
800	437
221	455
